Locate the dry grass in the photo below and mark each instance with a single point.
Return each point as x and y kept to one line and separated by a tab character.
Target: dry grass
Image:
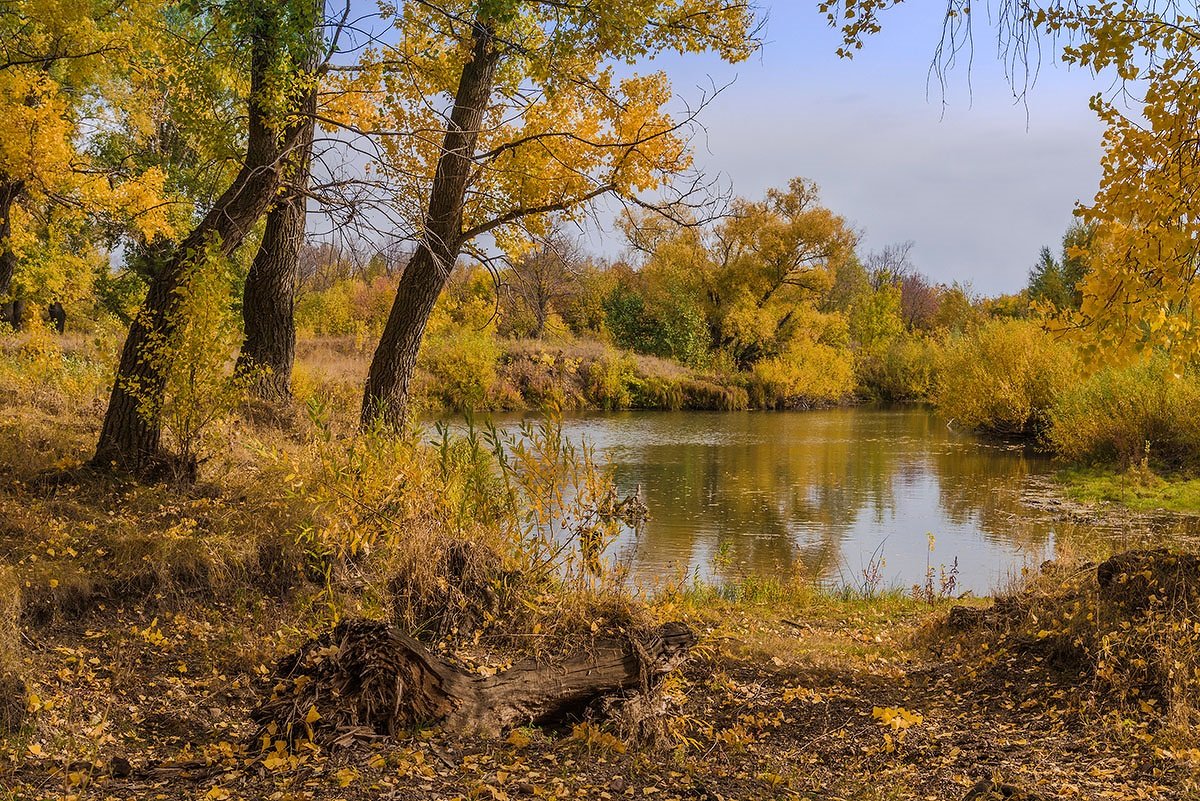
142	618
1122	633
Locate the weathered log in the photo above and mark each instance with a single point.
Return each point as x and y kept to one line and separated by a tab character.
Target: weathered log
984	790
367	679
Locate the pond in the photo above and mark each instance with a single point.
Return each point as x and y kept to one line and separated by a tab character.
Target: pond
832	495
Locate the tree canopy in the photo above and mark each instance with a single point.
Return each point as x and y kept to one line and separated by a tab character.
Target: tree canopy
1139	292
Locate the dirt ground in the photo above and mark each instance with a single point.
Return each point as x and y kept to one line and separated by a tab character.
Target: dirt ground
850	702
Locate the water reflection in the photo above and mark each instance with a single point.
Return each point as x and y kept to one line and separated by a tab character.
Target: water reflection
732	494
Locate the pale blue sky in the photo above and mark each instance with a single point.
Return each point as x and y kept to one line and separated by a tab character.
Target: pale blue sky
980	183
978	180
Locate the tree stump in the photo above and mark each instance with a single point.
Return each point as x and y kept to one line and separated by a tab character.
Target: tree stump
366	679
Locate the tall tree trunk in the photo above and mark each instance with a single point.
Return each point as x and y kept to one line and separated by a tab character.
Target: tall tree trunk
385	399
130	439
269	298
9	192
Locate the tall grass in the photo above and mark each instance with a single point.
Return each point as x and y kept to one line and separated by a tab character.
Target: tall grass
1127	415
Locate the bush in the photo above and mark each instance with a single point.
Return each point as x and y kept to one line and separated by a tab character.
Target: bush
462	368
705	395
483	531
672	330
899	370
1123	414
1003	377
808	374
38	369
657	392
608	379
350	306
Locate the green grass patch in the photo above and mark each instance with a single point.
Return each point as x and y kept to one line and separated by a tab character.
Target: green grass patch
1137	488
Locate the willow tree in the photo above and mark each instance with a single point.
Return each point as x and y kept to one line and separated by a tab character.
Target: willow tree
276	36
759	277
496	114
1140	291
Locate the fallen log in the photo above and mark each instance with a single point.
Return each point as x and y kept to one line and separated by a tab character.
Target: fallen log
367	679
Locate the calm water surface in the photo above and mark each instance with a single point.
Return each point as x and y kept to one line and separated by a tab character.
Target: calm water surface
820	493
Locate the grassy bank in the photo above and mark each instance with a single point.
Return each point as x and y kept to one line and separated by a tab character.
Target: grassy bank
141	626
1138	489
517	375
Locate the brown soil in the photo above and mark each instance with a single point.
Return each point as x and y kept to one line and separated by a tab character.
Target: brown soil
134	703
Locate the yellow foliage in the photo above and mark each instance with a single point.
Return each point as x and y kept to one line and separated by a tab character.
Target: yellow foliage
808	373
58	52
1140	292
1003	377
560	126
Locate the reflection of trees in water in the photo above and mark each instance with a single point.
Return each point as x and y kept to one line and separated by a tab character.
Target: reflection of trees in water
771	492
977	486
777	491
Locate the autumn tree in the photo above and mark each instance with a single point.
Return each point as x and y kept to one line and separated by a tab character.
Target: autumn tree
54	58
1140	290
890	264
919	301
775	259
541	280
495	114
269	299
131	435
754	282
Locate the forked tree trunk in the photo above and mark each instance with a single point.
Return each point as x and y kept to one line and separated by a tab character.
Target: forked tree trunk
131	437
366	679
386	396
269	299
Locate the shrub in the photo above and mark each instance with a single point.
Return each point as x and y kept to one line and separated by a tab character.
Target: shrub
1002	377
808	374
533	376
460	352
1123	414
657	392
608	379
201	390
38	370
899	370
462	368
675	329
706	395
349	306
484	532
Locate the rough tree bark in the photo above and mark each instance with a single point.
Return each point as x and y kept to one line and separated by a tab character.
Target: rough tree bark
366	679
269	298
9	192
130	439
385	398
